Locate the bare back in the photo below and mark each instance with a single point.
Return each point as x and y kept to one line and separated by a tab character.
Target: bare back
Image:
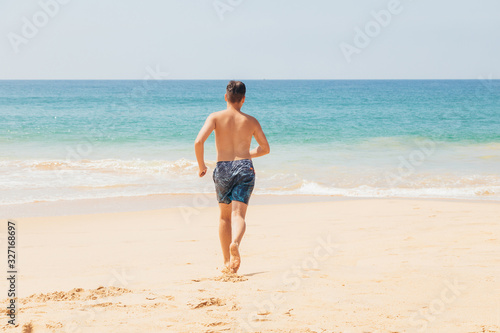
233	137
233	134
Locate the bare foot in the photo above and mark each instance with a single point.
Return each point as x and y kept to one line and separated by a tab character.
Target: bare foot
227	268
235	257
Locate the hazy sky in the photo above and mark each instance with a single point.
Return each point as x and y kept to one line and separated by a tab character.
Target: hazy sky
249	39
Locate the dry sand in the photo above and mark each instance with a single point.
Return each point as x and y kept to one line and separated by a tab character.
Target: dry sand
388	265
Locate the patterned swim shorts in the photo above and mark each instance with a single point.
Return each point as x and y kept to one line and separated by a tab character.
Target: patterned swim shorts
234	180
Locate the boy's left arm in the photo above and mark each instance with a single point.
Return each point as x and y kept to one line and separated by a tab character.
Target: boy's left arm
205	132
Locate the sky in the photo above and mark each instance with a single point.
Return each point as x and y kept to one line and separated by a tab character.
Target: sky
249	39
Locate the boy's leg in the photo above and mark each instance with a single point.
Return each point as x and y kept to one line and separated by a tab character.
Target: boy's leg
225	231
238	224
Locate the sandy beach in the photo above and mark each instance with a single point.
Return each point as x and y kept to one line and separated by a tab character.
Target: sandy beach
364	135
374	265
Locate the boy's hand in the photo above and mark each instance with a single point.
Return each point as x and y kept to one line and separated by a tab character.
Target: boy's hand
203	171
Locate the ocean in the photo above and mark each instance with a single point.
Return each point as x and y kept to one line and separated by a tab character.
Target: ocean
67	140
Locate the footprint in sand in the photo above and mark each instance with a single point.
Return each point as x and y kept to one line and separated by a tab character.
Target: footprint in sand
207	302
28	328
218	323
229	276
76	294
53	325
235	307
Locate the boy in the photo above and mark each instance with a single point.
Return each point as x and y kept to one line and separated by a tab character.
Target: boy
234	175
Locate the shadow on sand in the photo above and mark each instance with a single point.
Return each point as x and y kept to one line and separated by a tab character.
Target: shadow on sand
252	274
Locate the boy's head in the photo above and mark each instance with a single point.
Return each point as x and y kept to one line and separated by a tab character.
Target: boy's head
235	92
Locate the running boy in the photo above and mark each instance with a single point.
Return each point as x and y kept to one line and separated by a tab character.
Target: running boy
234	175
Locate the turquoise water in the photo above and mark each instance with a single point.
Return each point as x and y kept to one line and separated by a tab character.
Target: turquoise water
86	139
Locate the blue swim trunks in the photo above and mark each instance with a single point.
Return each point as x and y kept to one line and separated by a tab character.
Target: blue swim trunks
234	180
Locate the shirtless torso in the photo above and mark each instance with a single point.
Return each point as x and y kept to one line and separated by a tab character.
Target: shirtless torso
233	135
234	175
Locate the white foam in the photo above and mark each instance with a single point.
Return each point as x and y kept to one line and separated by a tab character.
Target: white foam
24	181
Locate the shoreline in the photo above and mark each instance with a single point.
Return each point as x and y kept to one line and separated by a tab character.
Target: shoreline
163	201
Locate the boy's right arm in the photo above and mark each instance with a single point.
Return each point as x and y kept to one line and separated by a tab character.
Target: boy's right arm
263	147
205	132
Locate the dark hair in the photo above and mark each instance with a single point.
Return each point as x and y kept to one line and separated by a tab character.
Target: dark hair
235	91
